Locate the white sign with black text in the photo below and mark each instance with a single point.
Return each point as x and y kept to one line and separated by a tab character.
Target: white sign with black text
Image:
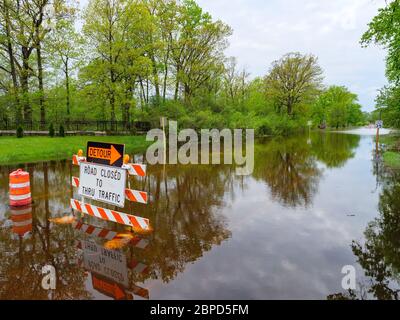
102	183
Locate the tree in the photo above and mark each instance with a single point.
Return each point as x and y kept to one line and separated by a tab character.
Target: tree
384	30
25	28
197	49
293	80
387	106
112	29
235	84
64	45
6	42
337	107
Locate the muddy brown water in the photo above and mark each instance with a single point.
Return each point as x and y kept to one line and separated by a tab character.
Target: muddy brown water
312	205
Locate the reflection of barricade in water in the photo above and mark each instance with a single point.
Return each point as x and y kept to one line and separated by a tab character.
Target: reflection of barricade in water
21	218
109	267
107	234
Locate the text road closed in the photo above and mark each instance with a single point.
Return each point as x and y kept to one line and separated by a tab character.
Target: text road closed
103	183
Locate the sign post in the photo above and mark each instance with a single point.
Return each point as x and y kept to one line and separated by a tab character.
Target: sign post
378	125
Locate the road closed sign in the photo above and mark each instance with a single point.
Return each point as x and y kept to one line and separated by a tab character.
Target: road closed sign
106	262
102	183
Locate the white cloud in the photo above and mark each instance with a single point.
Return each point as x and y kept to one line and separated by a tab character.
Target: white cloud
330	29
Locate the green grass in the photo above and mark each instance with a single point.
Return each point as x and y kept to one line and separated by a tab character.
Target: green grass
392	159
32	149
389	139
391	156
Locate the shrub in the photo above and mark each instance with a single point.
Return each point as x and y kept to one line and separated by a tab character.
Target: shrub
51	130
61	131
20	132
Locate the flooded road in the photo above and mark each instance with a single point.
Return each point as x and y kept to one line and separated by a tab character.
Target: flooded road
312	205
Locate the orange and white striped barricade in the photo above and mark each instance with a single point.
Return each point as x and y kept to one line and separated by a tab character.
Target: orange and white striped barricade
76	159
107	234
20	188
21	218
131	195
135	169
138	223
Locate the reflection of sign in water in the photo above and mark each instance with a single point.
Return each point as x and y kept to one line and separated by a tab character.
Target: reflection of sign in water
379	124
109	288
108	263
102	183
105	153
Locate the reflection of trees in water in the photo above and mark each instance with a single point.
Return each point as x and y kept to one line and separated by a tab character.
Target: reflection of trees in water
22	259
379	254
289	170
184	212
334	149
185	216
289	166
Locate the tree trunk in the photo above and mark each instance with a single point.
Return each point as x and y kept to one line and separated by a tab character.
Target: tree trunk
187	94
177	83
166	73
156	80
41	90
38	23
24	84
112	104
10	51
66	70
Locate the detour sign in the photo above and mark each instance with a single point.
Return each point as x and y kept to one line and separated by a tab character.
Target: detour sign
105	153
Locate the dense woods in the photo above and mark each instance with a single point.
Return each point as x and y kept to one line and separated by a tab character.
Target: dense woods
137	60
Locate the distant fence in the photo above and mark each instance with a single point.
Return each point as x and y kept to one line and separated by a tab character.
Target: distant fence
80	125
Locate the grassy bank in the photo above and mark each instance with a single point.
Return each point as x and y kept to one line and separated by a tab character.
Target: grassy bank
391	156
33	149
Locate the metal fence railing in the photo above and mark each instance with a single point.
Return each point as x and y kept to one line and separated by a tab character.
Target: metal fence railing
79	125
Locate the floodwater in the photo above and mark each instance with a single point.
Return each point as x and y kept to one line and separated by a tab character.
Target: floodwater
313	204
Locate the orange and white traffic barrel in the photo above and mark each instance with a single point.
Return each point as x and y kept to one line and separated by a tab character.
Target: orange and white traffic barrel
20	188
21	219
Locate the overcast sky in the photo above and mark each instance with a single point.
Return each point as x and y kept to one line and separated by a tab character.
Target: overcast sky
264	30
